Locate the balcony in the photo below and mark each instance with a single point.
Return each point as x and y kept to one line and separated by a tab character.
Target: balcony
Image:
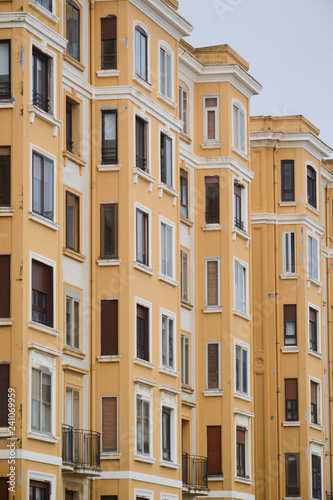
194	475
80	451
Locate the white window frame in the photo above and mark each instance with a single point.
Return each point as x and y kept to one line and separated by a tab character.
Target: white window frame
217	116
286	238
145	29
171	225
169	400
317	449
219	365
168	496
75	296
245	267
33	475
182	89
185	339
169	315
244	202
145	393
244	422
52	77
313	236
310	164
318	311
236	140
138	493
244	347
50	263
148	305
53	158
218	260
139	114
110	453
169	52
319	402
185	252
173	144
148	212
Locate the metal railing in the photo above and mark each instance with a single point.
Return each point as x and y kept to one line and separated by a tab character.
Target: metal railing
141	162
239	223
80	448
109	154
194	471
4	87
41	101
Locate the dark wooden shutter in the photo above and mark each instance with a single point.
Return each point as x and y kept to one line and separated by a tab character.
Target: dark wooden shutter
211	125
240	436
310	172
238	190
291	388
109	424
313	393
4	385
4	286
289	312
109	327
3	488
213	366
313	315
143	332
214	450
109	28
212	283
42	280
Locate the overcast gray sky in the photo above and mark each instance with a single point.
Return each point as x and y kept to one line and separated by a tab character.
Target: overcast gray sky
288	44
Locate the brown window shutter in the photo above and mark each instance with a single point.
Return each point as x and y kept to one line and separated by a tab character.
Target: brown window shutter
314	393
109	424
238	190
291	388
212	180
211	102
310	172
313	315
212	283
214	449
108	28
211	125
4	286
213	366
5	151
109	327
289	312
4	385
42	280
3	488
240	436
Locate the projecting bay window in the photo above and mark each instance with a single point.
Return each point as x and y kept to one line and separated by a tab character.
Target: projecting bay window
291	399
5	70
287	180
289	317
292	475
109	230
42	293
4	175
109	42
141	129
109	137
42	185
72	222
109	424
212	200
41	71
41	401
142	426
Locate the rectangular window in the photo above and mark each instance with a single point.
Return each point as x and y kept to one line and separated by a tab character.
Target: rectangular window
214	456
41	401
291	399
109	137
69	126
142	237
165	73
314	389
166	433
42	185
72	322
238	220
39	490
142	426
185	356
4	286
212	283
240	452
142	332
239	128
72	222
109	424
287	180
313	257
166	160
289	318
47	4
184	276
140	53
42	293
5	70
211	117
311	186
213	365
4	173
141	144
109	327
316	476
166	250
240	288
183	193
168	342
109	42
41	80
4	386
241	369
212	200
73	29
109	231
313	329
289	253
292	475
183	108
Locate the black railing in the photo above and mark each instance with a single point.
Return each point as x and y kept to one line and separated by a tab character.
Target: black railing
194	471
109	154
41	101
80	448
69	145
4	88
141	162
239	223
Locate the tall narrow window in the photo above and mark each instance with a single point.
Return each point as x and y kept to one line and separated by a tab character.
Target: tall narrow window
109	327
314	389
240	288
69	126
214	456
166	433
5	70
39	490
42	185
41	81
183	193
239	127
166	160
240	452
213	366
4	386
165	73
140	53
142	237
316	476
291	399
109	424
183	107
313	329
185	364
109	42
211	117
73	29
109	231
141	143
168	342
289	253
184	276
4	286
109	137
42	293
41	401
289	317
212	200
313	257
241	369
292	475
73	408
238	217
287	180
142	332
311	183
72	222
212	283
167	267
72	322
142	426
4	174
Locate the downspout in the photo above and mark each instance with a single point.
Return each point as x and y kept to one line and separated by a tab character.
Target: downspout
329	345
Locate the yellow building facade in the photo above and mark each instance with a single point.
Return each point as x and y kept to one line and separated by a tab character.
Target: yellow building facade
164	266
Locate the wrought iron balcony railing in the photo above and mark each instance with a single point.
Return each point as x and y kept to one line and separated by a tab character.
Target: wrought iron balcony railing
239	224
41	101
141	162
80	448
194	472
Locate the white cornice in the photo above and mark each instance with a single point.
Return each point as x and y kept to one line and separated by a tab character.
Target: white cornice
34	26
165	16
326	177
285	219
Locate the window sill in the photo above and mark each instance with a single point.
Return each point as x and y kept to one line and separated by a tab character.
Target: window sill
241	153
318	427
186	305
315	354
74	62
73	255
107	455
142	82
242	314
186	221
6	321
245	397
288	276
287	203
215	478
5	432
312	209
166	100
142	362
67	155
73	352
185	138
6	211
243	480
7	104
295	423
211	227
289	349
35	111
164	188
211	145
171	465
104	73
213	392
168	371
114	358
43	11
243	234
187	389
112	167
314	281
168	280
142	267
42	437
43	328
137	172
212	309
43	220
108	262
292	498
143	458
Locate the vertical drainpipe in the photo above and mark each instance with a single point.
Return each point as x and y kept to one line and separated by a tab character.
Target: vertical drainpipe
329	345
277	326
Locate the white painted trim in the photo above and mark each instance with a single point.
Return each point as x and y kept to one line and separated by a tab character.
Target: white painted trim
137	476
146	394
33	457
143	493
230	494
42	476
287	219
